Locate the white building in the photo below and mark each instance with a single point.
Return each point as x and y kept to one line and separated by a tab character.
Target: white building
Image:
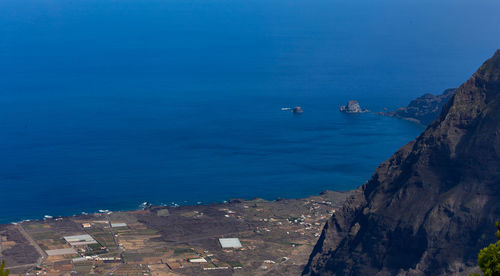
199	260
230	243
80	240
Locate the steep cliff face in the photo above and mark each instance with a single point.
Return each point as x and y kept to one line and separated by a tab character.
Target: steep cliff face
423	109
429	208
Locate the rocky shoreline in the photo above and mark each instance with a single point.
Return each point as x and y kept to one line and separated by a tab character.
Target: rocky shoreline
424	109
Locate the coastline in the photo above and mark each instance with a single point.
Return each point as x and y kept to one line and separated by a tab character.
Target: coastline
171	205
163	239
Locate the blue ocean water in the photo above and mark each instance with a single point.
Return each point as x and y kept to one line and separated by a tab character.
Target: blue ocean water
106	104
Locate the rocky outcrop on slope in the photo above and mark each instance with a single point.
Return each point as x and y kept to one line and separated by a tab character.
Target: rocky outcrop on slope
429	208
352	107
423	109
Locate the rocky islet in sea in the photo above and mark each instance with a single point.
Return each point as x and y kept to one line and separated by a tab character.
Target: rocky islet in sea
352	107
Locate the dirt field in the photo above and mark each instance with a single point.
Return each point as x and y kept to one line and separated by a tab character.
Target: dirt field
276	238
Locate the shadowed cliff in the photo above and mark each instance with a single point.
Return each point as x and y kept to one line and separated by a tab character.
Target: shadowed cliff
429	208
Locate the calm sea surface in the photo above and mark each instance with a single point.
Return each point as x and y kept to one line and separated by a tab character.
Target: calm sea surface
106	104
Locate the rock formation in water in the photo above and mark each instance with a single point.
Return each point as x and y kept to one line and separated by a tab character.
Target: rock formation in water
424	109
429	208
352	107
297	110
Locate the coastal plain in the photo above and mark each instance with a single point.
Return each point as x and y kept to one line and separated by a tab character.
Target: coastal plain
276	238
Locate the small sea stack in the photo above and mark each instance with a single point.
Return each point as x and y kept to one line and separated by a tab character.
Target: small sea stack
297	110
352	107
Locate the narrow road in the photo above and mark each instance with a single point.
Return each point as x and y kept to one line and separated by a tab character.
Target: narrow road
115	239
42	253
20	266
117	245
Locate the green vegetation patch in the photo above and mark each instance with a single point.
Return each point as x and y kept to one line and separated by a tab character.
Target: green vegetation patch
234	264
113	254
94	246
95	249
180	251
489	258
209	265
105	238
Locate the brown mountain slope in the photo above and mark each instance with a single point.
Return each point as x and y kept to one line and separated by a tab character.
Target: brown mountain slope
429	208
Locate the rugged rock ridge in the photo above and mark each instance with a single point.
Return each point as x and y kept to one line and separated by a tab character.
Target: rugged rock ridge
423	109
429	208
